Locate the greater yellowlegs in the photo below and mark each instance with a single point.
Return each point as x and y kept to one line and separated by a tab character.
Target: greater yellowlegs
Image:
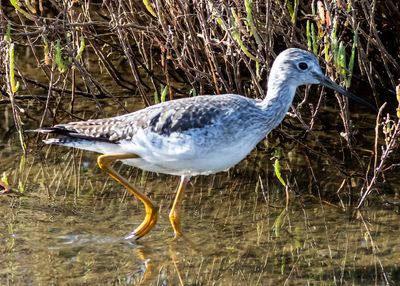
193	136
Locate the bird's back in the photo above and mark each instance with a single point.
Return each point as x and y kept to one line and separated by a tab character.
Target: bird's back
177	116
197	135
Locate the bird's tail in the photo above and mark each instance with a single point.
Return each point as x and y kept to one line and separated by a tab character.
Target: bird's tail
55	130
71	138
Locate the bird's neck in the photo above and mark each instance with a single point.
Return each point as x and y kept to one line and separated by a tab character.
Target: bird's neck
278	99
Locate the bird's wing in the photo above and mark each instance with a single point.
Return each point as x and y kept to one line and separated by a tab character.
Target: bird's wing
163	119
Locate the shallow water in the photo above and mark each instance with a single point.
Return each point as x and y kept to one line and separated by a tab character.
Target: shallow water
69	225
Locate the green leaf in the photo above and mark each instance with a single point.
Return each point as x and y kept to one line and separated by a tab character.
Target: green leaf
164	93
14	85
149	8
81	48
277	170
60	61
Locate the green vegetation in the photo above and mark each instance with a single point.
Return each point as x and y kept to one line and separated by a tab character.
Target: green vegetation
58	58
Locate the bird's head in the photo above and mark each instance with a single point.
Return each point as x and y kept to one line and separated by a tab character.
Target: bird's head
298	67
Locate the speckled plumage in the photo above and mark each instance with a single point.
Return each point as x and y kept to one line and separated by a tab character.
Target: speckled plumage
177	116
198	135
174	137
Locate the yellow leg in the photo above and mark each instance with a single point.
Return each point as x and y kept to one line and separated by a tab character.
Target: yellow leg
176	207
105	162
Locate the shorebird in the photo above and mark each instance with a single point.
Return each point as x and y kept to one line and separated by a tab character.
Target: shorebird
193	136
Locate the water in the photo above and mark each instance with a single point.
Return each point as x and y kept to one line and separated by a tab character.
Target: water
69	226
233	237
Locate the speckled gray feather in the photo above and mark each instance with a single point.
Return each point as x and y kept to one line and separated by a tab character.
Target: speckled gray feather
182	115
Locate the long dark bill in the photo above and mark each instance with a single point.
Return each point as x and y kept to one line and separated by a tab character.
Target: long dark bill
331	84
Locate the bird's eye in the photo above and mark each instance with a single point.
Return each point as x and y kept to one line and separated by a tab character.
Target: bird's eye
303	66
